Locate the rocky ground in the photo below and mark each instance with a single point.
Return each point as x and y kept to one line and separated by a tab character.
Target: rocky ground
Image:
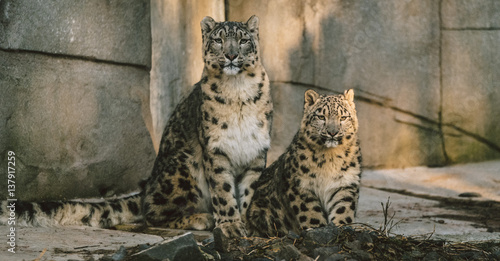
327	243
449	213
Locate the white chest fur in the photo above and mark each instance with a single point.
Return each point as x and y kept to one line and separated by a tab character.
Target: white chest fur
246	140
244	137
329	178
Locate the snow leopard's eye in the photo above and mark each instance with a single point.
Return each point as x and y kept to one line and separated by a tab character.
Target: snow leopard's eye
320	117
218	41
243	41
343	118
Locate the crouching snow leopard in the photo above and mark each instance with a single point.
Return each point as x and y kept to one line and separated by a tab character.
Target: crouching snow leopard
316	180
213	147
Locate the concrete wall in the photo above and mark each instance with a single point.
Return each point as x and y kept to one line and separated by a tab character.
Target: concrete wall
74	77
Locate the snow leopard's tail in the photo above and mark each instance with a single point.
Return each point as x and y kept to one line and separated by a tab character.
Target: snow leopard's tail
105	214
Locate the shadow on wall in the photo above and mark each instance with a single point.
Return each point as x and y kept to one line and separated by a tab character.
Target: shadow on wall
335	53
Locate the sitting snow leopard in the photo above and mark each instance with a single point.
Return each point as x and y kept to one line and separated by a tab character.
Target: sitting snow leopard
213	147
316	180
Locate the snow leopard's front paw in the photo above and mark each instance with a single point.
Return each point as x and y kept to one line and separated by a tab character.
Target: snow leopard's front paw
233	229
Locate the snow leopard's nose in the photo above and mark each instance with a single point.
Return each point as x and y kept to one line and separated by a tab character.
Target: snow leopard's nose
333	133
332	129
231	56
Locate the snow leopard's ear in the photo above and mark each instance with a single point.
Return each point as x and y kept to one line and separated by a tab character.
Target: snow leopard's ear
253	26
349	96
207	25
310	98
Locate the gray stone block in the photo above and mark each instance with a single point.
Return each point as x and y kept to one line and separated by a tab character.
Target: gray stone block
471	95
467	14
117	30
78	128
388	51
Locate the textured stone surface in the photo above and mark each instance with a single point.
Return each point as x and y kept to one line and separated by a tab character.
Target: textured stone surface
461	14
77	127
323	235
471	94
71	243
113	30
388	51
176	61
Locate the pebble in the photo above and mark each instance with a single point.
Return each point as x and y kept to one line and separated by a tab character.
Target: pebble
322	235
120	255
322	253
183	247
470	195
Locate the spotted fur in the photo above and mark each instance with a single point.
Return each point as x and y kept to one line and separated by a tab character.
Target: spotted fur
316	180
214	145
216	141
100	213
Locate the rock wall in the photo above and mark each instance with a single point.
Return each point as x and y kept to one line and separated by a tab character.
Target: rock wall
75	96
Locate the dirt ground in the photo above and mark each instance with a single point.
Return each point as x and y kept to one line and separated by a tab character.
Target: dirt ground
449	213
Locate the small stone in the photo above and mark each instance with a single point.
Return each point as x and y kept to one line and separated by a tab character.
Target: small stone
142	247
292	235
470	255
365	238
361	255
207	241
183	247
120	254
244	244
495	255
322	235
354	245
417	254
470	195
288	252
431	256
337	257
225	244
221	242
322	253
210	253
348	230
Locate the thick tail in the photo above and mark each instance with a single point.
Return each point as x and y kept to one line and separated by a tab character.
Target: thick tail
104	214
